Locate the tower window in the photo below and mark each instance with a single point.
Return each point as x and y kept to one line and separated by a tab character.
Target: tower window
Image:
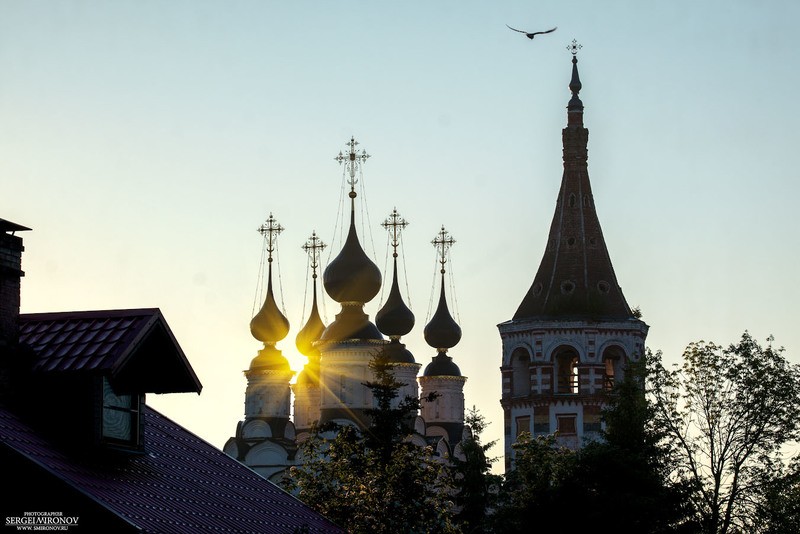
567	369
572	200
614	361
523	424
603	286
537	289
571	241
521	373
566	425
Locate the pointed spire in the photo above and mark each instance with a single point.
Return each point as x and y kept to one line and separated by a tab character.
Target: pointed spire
575	279
575	106
442	332
312	331
269	325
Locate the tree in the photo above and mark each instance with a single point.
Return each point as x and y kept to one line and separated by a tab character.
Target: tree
476	486
620	481
536	491
376	481
631	465
728	414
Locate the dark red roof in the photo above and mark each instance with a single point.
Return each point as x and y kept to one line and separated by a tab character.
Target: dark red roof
181	484
112	342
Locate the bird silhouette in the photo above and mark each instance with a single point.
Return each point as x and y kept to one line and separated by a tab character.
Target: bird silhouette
530	35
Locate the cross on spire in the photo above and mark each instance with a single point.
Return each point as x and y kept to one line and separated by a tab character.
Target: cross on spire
574	47
394	224
443	241
270	230
352	161
313	247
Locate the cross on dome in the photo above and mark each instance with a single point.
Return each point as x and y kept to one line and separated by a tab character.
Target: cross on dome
394	224
443	241
270	230
352	161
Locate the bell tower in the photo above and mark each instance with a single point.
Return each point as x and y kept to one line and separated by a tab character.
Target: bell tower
573	333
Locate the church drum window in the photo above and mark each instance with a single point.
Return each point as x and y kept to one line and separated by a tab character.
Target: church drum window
567	372
521	373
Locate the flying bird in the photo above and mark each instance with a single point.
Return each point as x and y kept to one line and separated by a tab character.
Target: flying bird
530	35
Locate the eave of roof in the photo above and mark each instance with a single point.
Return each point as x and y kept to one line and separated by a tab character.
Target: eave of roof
133	346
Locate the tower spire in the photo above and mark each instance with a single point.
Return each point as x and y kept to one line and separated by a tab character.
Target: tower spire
575	278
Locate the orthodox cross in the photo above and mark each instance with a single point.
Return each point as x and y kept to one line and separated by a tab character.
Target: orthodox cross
313	247
443	241
270	230
394	224
574	47
352	161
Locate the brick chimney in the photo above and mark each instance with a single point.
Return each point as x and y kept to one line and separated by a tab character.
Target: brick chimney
10	273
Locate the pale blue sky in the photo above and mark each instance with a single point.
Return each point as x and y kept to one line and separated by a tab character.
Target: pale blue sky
144	143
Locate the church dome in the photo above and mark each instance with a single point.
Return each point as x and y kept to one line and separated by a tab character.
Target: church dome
397	352
395	318
352	276
269	325
442	332
311	332
442	365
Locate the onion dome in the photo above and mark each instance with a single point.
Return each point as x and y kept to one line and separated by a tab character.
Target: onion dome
442	365
352	276
442	332
310	333
397	352
269	325
314	327
394	319
351	323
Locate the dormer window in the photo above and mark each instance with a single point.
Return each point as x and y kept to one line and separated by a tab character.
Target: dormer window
120	422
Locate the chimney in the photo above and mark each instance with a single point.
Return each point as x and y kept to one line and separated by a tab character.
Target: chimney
10	274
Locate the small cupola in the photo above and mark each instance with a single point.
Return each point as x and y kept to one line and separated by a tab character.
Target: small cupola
269	325
442	332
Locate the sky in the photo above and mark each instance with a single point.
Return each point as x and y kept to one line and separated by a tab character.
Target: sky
145	142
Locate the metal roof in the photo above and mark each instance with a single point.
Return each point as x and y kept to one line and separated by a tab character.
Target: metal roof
110	342
181	484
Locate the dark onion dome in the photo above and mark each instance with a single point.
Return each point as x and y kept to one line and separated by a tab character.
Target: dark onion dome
305	341
395	318
351	324
397	352
311	332
352	276
442	365
442	332
269	325
269	359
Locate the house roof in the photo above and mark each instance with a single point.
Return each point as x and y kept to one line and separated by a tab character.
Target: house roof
181	484
129	346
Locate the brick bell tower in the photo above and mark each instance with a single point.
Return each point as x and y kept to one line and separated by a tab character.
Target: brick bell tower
574	332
